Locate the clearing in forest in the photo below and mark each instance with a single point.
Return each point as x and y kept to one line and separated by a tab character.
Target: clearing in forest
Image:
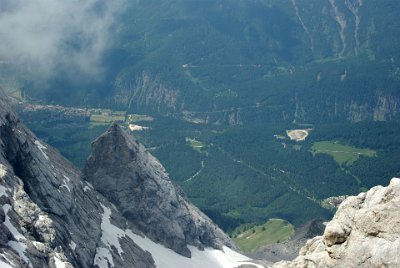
298	134
250	238
195	144
343	154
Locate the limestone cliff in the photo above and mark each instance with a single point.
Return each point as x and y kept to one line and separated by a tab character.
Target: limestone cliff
123	171
146	91
48	216
365	232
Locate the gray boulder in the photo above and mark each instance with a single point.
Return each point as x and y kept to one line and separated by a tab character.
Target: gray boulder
365	232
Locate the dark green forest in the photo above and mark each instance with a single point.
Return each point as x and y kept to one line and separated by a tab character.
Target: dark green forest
244	174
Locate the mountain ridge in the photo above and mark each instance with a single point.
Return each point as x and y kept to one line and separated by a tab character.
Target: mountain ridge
240	62
141	190
50	217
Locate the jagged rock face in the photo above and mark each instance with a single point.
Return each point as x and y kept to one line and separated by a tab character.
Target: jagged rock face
145	91
51	217
365	232
131	178
48	216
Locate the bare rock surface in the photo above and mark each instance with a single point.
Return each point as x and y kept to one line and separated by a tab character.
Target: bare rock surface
124	172
49	217
365	232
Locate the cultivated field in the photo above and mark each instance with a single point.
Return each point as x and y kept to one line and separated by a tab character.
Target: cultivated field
100	118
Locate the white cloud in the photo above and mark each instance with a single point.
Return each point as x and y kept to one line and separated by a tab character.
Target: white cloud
42	37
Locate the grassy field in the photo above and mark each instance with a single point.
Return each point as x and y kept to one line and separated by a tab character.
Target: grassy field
343	154
99	118
250	238
195	144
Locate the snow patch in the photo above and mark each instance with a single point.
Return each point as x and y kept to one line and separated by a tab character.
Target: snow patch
41	147
58	262
209	257
72	245
5	265
65	185
66	182
88	187
18	246
103	258
17	235
9	262
165	257
110	237
111	233
3	191
3	171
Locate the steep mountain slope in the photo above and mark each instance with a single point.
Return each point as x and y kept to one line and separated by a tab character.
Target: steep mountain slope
365	232
50	217
237	62
136	183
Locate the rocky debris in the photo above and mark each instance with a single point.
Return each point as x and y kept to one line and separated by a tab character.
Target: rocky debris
333	202
290	249
48	216
133	180
365	232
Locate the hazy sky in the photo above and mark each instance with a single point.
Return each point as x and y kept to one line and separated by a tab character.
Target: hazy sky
46	36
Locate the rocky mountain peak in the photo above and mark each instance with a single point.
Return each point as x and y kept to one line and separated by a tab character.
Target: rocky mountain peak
132	179
51	217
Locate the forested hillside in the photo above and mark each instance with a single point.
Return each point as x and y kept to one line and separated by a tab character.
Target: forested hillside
235	62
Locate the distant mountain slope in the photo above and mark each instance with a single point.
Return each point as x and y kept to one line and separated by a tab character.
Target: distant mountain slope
237	62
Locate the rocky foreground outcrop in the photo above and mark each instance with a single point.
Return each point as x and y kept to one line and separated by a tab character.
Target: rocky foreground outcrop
365	232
